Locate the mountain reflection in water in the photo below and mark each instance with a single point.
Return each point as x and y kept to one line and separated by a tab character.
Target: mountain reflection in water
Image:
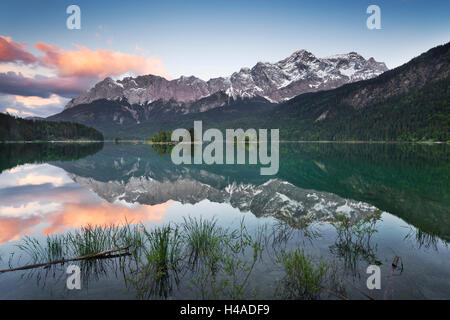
409	181
49	189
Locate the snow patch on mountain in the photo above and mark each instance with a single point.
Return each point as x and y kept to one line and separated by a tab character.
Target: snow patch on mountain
299	73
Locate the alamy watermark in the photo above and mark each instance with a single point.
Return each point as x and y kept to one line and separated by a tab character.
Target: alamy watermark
374	280
74	20
256	142
374	20
74	279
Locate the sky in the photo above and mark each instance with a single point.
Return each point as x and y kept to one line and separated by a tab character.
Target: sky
43	64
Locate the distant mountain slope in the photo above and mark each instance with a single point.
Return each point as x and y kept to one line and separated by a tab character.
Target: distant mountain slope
120	119
17	129
421	114
299	73
411	102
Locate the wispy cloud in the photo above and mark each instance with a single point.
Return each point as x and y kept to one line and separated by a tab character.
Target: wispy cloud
11	51
41	86
31	106
85	62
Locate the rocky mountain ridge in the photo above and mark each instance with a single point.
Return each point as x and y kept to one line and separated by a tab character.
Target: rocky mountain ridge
299	73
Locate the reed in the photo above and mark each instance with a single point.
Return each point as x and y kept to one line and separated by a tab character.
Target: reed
202	237
303	278
54	248
91	239
163	250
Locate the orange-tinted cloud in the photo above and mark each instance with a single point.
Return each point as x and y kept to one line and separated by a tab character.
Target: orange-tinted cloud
82	62
103	214
75	215
34	101
85	62
13	228
11	51
12	111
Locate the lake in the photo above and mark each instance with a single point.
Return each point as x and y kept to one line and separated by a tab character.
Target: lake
343	205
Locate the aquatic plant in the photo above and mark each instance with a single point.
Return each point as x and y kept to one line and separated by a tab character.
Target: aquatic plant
225	273
90	239
163	251
353	240
54	248
157	270
287	226
236	265
91	247
202	238
304	279
131	236
425	240
160	257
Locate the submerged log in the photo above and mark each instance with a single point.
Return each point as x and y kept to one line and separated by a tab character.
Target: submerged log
395	262
99	255
389	291
366	295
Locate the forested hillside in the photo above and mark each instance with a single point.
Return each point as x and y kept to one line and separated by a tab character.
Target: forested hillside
17	129
420	115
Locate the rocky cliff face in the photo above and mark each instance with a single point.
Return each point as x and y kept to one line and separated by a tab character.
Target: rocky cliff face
299	73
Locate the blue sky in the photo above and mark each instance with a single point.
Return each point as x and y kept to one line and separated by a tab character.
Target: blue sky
212	38
215	38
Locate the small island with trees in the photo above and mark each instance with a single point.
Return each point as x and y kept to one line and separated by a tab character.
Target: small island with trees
162	136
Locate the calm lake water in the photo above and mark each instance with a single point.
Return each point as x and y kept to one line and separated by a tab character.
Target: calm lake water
49	189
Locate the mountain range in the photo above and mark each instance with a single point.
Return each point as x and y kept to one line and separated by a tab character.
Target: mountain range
299	73
343	97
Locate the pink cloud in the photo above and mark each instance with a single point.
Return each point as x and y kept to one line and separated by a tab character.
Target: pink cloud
11	51
75	215
103	214
85	62
67	72
13	228
82	62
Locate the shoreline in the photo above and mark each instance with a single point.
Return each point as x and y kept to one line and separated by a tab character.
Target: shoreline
280	141
54	141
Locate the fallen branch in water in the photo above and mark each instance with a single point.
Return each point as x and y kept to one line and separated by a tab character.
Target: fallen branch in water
366	295
99	255
337	294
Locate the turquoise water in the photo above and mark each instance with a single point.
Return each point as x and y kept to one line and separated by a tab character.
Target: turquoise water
48	189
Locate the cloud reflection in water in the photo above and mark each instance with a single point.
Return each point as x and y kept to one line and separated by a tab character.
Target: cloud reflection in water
43	199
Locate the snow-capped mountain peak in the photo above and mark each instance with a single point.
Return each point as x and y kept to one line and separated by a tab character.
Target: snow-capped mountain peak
299	73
